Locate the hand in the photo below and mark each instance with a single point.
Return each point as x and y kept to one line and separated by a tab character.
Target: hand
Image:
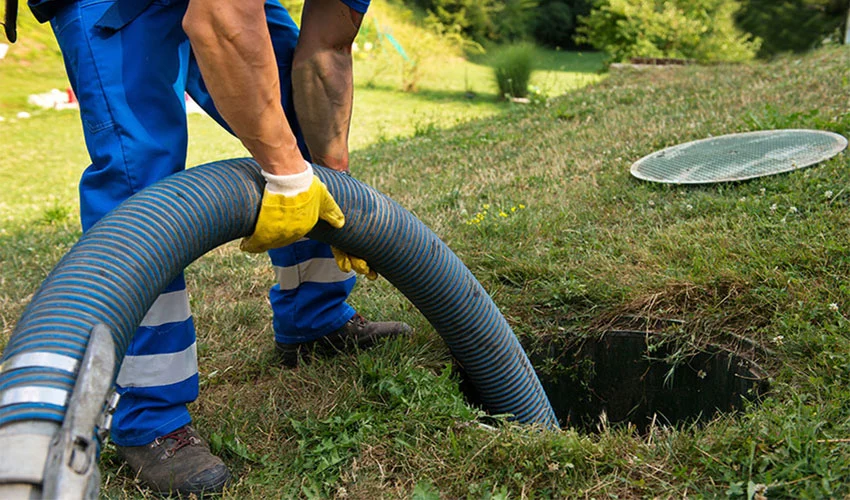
347	262
290	210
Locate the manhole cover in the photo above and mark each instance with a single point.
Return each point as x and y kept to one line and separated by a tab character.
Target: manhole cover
738	157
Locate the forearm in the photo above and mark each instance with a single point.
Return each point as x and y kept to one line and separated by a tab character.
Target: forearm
232	45
322	80
323	91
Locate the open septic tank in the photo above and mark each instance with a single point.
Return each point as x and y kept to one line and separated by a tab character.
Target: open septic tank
628	376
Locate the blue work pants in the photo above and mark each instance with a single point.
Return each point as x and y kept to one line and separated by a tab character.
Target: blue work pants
130	84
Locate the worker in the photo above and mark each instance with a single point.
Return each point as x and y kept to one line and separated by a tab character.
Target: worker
130	63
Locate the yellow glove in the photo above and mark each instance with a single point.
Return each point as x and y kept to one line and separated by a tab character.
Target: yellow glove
292	204
348	262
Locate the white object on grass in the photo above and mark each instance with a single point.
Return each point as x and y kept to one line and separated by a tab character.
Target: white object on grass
55	99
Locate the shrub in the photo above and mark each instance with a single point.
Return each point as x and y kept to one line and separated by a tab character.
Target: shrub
512	67
702	30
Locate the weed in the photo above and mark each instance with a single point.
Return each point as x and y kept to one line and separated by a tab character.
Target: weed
425	490
56	214
512	67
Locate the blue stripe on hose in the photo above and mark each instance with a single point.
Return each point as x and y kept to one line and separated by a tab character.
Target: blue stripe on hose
127	224
33	412
53	346
120	266
460	324
41	379
47	377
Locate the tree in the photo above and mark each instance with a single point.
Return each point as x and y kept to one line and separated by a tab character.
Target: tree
556	20
792	25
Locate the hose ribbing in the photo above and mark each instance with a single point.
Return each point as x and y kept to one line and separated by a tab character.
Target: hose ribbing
119	267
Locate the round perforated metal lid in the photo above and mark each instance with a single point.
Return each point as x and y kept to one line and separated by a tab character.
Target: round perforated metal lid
737	157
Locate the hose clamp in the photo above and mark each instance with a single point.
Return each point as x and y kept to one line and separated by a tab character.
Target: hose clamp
105	424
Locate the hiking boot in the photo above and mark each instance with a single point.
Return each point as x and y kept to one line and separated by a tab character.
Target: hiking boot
178	463
358	332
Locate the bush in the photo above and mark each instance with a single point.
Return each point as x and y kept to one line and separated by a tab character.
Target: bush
701	30
793	25
512	67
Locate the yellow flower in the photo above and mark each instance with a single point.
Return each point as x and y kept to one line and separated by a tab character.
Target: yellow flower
502	214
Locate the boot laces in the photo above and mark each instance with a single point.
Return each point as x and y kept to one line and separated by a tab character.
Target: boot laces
359	320
181	438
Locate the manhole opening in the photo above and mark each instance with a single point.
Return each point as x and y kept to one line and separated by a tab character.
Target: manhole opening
619	376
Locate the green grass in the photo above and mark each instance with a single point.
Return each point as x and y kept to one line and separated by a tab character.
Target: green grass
765	259
32	65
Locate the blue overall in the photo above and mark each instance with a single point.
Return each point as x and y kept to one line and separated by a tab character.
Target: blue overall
129	67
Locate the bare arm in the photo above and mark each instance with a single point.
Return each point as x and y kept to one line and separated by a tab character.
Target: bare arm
322	79
233	47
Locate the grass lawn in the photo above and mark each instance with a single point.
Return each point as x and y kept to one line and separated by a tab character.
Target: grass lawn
588	245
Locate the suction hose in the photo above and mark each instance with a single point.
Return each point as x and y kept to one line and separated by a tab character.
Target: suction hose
119	267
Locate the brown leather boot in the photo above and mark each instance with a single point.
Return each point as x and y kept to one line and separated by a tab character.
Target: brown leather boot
358	332
178	463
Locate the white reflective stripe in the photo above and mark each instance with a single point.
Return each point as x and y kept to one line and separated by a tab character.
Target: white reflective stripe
314	271
34	394
154	370
171	307
41	359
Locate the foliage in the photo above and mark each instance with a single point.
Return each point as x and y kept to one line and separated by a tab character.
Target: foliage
556	26
556	20
482	21
701	30
793	25
512	67
471	17
513	19
548	22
